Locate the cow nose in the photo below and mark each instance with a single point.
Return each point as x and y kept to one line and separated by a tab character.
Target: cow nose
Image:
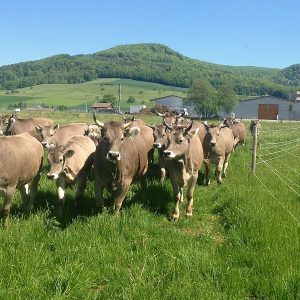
50	176
213	143
167	153
113	155
157	145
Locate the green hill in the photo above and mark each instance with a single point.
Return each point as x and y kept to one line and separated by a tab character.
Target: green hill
146	62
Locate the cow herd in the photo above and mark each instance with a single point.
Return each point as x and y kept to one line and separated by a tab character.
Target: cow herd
116	152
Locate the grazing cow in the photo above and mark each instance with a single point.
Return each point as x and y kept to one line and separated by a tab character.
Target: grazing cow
257	124
12	126
120	157
70	164
55	135
183	159
221	144
21	159
238	130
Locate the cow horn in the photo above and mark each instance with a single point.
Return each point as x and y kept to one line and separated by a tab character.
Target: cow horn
232	115
127	125
167	125
159	114
179	116
188	128
98	123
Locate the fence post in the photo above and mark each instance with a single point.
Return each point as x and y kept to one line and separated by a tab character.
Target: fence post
254	147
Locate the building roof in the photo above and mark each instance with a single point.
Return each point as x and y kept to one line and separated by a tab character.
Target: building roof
263	97
159	98
102	105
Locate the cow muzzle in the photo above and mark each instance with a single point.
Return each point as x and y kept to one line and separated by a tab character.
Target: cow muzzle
52	176
113	155
213	143
168	154
157	145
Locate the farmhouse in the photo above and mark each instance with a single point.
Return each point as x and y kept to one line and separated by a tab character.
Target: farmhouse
268	108
176	103
103	107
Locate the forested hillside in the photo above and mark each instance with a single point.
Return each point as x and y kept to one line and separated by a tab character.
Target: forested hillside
148	62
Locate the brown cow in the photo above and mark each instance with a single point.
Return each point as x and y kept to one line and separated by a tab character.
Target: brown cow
21	159
120	157
183	159
13	125
171	118
221	144
55	135
70	164
238	130
257	124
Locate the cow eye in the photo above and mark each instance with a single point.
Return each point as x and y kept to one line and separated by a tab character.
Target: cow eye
164	134
122	138
61	160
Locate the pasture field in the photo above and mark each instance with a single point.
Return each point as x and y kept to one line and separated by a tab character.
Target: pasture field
241	243
77	95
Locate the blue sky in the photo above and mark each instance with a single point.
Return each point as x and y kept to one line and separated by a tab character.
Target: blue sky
231	32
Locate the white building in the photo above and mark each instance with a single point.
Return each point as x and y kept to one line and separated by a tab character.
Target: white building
268	108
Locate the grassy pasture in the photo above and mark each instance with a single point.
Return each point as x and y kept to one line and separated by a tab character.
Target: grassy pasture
76	95
241	243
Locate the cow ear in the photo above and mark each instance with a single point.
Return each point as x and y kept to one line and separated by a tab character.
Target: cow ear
38	128
133	131
69	153
56	127
192	132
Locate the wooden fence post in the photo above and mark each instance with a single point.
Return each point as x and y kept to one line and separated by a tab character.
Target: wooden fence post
254	147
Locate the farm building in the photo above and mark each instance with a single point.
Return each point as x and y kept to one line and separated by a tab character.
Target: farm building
103	107
176	103
268	108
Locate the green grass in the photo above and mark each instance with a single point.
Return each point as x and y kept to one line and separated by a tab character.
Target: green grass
76	95
241	243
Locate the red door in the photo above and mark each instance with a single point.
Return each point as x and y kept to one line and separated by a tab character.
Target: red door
268	111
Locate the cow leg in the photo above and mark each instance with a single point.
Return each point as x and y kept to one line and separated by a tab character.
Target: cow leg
120	196
98	188
33	191
61	184
24	191
8	195
177	196
162	168
219	169
81	184
207	171
235	142
190	193
225	164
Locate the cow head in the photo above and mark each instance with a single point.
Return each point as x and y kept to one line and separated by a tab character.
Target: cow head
57	157
47	133
6	124
213	132
160	136
178	141
113	136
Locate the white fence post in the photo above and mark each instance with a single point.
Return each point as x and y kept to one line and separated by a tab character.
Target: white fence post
254	147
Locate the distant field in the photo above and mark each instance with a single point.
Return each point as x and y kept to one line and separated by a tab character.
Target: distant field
77	95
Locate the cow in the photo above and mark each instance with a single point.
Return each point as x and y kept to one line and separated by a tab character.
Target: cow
120	157
136	122
55	135
94	133
183	159
70	164
21	158
254	123
221	144
13	125
238	130
170	118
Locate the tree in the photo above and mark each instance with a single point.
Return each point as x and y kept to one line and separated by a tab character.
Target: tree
131	99
227	97
203	96
107	98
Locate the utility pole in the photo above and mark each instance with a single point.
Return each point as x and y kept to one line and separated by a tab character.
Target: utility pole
119	100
